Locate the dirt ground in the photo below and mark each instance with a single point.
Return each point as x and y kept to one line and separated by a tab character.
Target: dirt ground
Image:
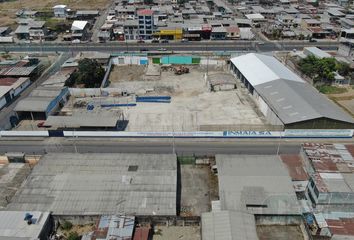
198	189
177	233
344	100
279	232
126	73
79	229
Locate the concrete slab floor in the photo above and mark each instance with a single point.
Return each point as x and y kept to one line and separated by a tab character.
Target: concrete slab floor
193	107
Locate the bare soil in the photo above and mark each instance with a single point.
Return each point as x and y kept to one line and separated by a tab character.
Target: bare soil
127	73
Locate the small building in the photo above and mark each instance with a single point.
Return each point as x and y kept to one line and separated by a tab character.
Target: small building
255	17
106	32
25	225
169	33
117	226
315	51
84	122
346	23
131	29
310	23
5	31
221	81
86	14
233	32
30	29
218	33
42	102
25	13
334	14
79	30
60	11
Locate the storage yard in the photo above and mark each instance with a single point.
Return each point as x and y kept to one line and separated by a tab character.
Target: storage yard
193	106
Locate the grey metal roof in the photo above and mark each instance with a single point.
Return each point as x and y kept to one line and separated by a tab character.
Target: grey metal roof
248	180
82	120
13	226
22	29
228	225
298	101
33	104
97	184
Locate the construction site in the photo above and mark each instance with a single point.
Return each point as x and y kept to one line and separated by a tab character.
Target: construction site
165	98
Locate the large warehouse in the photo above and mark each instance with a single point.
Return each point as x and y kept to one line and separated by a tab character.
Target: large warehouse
286	99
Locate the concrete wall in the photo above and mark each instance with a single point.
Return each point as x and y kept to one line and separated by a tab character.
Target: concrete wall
21	88
270	116
54	104
279	220
136	60
2	102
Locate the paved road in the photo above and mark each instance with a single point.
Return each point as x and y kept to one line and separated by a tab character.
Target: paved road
172	46
182	147
7	111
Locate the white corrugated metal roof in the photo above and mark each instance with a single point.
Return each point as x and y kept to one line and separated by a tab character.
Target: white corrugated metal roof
78	25
260	69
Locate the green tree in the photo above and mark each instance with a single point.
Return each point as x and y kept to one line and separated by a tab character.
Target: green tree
66	225
321	70
73	236
90	73
343	68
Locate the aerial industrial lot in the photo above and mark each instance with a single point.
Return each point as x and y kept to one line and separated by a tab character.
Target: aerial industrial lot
176	119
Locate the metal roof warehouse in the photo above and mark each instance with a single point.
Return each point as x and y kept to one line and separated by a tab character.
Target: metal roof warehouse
97	184
285	98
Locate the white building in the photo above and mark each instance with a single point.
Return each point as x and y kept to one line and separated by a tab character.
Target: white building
60	11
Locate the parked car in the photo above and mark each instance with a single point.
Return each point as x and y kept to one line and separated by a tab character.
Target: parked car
41	125
162	49
312	40
184	40
144	49
164	41
155	41
141	41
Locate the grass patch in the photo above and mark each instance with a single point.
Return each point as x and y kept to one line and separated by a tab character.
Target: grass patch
331	90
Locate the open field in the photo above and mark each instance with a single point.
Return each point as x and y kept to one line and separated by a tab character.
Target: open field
344	100
8	9
199	188
193	107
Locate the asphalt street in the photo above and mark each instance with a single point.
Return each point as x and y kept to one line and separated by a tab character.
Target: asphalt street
172	46
180	146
